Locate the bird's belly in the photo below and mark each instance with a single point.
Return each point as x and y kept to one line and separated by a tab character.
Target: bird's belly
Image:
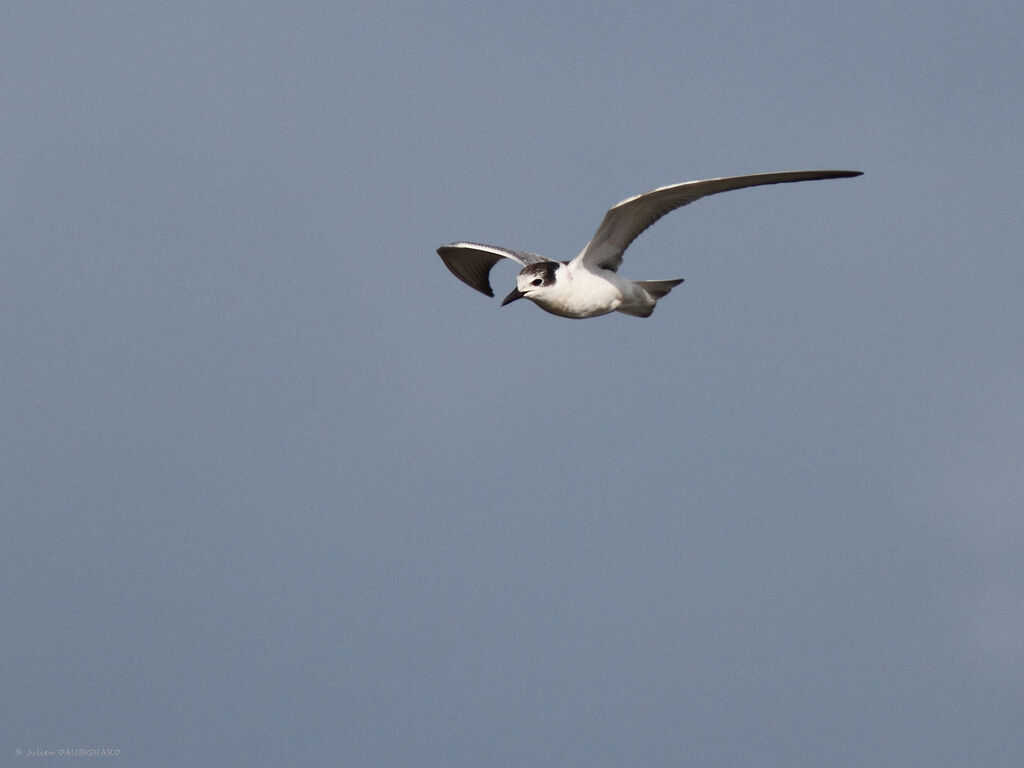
587	297
575	311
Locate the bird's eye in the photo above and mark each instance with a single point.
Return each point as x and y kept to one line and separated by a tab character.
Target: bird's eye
538	281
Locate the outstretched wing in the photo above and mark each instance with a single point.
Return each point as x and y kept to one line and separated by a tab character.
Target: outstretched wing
472	262
624	222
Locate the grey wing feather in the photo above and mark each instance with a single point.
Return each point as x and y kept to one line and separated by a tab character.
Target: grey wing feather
472	262
625	221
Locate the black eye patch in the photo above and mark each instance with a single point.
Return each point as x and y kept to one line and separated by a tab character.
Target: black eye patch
542	273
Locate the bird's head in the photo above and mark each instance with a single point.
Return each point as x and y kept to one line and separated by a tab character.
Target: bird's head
534	281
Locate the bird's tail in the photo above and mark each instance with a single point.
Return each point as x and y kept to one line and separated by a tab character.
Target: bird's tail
658	288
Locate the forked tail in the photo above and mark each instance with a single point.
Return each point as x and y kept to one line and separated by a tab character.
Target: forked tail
658	288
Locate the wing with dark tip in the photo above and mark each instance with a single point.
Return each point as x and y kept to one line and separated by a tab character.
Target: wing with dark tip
472	262
624	222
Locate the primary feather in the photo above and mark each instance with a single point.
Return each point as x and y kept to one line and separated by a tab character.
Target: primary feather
624	222
472	262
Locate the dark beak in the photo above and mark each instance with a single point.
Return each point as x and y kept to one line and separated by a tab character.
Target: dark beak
516	294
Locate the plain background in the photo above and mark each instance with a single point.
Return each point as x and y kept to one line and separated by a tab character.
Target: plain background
277	489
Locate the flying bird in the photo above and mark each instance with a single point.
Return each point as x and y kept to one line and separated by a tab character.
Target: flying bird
590	285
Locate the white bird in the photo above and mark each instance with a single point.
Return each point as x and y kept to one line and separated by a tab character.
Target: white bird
589	285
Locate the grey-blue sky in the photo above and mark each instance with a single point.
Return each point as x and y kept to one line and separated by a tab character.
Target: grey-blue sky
278	488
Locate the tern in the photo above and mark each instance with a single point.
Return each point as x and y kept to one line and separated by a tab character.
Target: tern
590	285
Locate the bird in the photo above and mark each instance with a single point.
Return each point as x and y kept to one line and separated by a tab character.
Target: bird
589	285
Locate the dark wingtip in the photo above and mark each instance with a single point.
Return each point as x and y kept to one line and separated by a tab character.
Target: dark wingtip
477	280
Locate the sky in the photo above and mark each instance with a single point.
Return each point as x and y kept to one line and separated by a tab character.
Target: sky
278	489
